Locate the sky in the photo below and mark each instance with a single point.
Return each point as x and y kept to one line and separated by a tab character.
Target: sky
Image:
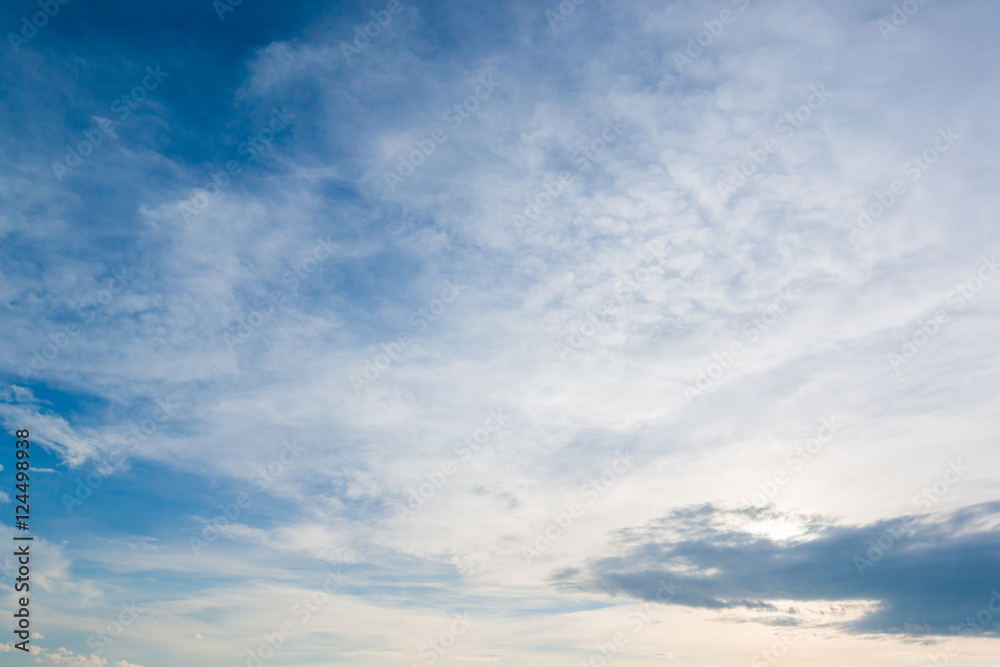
571	333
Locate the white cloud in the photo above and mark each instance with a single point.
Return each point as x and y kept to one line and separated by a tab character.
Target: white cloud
496	346
67	658
18	406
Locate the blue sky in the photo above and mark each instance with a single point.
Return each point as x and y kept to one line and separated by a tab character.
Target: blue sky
521	333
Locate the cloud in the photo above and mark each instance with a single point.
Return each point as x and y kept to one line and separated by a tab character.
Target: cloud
19	406
191	282
63	657
927	574
66	658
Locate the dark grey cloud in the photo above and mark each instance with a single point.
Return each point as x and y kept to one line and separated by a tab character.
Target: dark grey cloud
931	574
